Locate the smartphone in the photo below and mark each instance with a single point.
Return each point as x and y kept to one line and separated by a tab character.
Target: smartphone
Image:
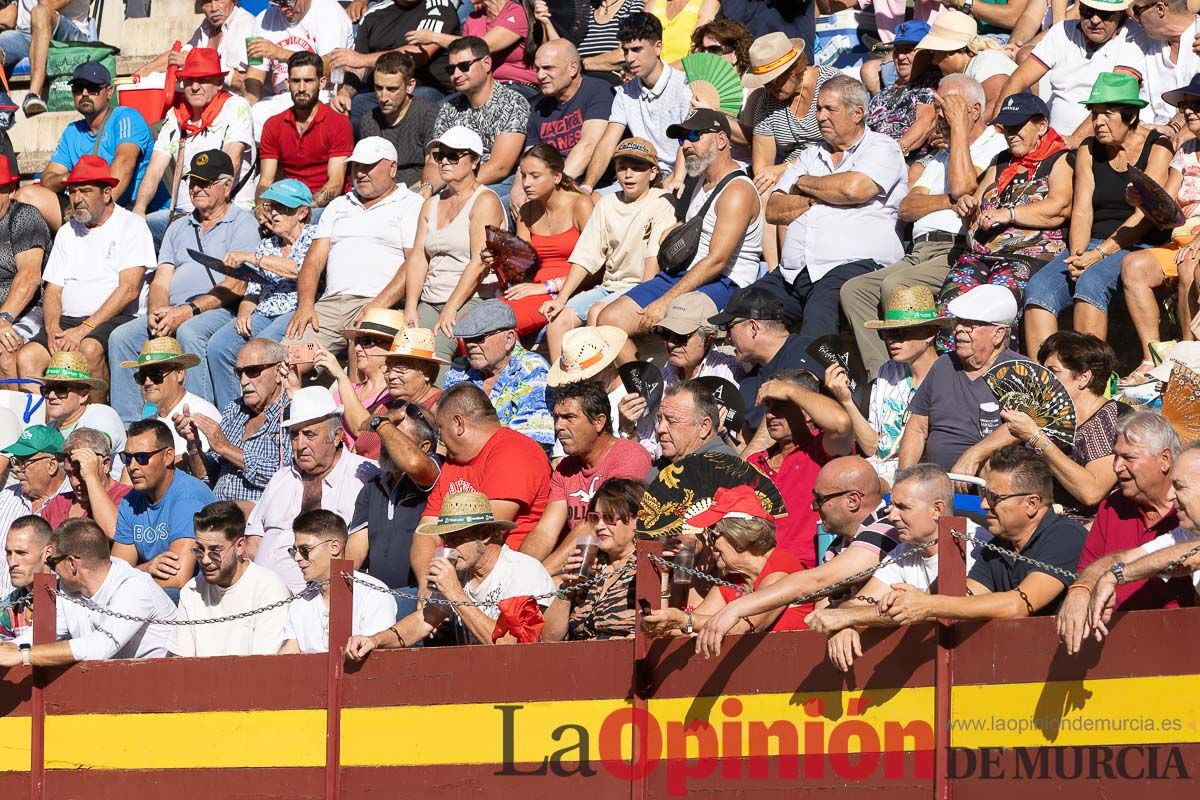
644	605
302	353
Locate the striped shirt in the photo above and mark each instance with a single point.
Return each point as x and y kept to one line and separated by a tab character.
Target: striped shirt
601	37
775	118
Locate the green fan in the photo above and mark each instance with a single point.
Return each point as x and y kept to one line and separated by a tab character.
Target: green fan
718	73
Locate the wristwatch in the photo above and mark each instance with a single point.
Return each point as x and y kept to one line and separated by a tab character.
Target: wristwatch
25	648
690	629
1118	571
7	317
374	422
966	6
195	309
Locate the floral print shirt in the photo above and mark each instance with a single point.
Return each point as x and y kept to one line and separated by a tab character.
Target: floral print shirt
519	394
894	110
279	298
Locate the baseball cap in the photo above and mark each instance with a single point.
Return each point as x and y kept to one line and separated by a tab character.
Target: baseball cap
92	72
459	137
737	502
749	302
288	192
638	149
704	120
210	166
688	312
988	303
911	32
373	149
1019	108
36	439
486	317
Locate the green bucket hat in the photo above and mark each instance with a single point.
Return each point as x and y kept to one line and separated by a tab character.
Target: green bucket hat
36	439
1115	88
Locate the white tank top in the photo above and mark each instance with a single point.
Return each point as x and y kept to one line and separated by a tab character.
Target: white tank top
742	266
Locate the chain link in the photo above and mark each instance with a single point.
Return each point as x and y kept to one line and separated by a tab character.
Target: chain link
833	588
1004	551
695	573
1179	562
91	606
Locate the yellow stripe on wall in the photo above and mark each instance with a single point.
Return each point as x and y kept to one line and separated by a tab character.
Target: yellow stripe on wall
14	744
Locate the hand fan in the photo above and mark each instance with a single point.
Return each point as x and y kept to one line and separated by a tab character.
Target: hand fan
1030	387
720	74
1181	403
645	379
728	396
514	259
1158	206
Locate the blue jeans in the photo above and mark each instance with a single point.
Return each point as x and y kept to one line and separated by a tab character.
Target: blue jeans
224	346
1050	288
15	44
126	342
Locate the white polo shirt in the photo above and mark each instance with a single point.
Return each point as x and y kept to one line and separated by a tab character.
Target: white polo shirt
935	180
647	111
87	262
308	615
825	237
1162	75
366	245
258	635
96	636
1073	66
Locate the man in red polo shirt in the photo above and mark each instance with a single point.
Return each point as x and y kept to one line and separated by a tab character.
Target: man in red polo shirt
310	141
483	456
1140	510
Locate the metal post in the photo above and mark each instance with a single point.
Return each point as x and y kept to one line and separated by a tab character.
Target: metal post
648	587
341	612
952	580
44	628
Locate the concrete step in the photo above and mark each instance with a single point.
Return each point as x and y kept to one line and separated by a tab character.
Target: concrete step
143	39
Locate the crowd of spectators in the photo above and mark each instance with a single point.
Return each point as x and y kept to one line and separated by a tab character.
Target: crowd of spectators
461	297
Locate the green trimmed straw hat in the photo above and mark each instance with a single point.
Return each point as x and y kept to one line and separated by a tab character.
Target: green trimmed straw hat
907	307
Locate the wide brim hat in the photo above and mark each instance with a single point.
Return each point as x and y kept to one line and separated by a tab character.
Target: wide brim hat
69	366
585	353
1183	93
416	343
163	350
771	56
381	322
908	307
201	62
461	511
1117	89
950	31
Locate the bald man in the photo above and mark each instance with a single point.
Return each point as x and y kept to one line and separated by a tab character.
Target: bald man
848	496
573	111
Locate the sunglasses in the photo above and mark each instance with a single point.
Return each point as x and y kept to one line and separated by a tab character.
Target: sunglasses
594	519
53	561
464	66
141	458
414	410
1137	11
283	3
449	156
213	553
21	463
155	375
1104	16
305	550
80	87
716	49
252	371
690	136
61	389
821	499
994	499
671	338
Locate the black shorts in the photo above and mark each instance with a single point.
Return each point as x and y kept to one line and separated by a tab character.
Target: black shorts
100	334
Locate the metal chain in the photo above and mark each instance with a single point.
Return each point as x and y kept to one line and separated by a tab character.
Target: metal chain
695	573
1063	573
1179	562
916	550
91	606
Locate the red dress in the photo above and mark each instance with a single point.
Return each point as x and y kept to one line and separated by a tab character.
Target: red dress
780	560
553	254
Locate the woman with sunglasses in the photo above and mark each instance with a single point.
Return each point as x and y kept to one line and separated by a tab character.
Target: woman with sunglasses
359	399
555	213
604	610
741	535
268	305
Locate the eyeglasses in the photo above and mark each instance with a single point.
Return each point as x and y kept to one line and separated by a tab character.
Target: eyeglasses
53	561
594	519
972	324
141	458
690	136
464	66
21	463
478	339
1137	11
305	550
716	49
994	499
448	156
80	87
283	3
213	553
198	184
156	374
60	389
821	499
252	371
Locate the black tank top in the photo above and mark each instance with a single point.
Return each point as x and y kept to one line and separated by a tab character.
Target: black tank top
1109	208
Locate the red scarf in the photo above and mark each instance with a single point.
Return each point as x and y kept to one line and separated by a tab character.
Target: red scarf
522	617
1051	143
183	114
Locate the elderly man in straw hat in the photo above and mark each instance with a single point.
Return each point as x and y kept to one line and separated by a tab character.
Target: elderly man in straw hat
159	370
67	386
908	328
322	475
513	378
472	566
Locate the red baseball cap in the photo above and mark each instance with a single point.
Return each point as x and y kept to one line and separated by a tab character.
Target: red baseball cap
7	176
201	62
738	502
91	169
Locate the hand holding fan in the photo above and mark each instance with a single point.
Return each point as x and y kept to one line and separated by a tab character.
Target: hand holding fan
644	379
242	272
704	70
1181	403
513	259
1031	388
1158	206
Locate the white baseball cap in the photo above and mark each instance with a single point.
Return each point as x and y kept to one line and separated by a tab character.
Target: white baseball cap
459	138
1185	353
989	303
309	405
372	150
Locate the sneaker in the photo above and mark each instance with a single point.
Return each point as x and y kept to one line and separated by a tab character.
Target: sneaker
33	105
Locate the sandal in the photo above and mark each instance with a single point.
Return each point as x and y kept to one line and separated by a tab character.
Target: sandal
1139	375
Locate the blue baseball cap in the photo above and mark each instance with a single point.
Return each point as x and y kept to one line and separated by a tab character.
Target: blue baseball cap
911	32
288	192
1020	108
92	72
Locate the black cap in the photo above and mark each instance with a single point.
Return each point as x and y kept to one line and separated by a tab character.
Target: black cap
92	72
1019	108
750	302
210	165
704	120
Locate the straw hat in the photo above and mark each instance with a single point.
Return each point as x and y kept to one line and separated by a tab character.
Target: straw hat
69	366
585	353
461	511
907	307
415	343
771	56
382	322
163	350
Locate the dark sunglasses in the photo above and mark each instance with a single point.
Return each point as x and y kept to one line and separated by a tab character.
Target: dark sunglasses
464	66
1086	12
414	410
156	376
994	499
716	49
449	156
79	87
821	499
592	518
61	389
305	550
283	3
673	338
252	371
53	561
690	136
141	458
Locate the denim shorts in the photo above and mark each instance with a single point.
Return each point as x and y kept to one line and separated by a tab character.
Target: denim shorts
15	43
1051	289
719	291
583	301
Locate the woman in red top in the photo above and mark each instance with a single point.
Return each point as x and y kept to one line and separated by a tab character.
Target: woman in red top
741	535
553	215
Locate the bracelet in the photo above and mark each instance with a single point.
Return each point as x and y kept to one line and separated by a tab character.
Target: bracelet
862	598
88	325
399	638
749	624
1012	216
1083	586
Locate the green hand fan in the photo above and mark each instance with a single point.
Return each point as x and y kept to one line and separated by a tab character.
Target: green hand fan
720	74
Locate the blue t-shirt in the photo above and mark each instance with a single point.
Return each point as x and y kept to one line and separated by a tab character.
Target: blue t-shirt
152	527
238	230
123	125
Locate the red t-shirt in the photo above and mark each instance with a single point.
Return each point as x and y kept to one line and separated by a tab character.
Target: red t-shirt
1120	525
795	478
512	467
306	156
57	511
572	482
780	560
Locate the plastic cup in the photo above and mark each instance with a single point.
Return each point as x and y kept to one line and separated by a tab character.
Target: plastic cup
253	62
448	553
586	546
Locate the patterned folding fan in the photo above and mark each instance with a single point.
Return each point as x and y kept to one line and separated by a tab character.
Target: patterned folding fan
514	261
1029	387
1181	403
693	480
718	73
